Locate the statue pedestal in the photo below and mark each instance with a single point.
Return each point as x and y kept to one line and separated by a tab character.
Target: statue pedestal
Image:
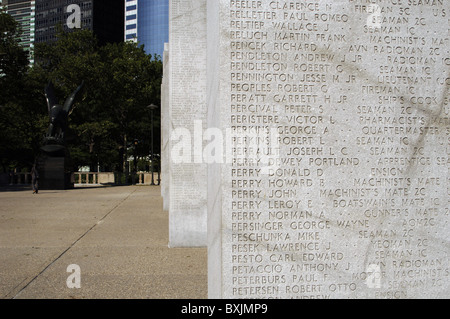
54	167
53	174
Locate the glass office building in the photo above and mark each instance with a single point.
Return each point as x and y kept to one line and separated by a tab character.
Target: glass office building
131	20
24	13
147	22
38	19
103	17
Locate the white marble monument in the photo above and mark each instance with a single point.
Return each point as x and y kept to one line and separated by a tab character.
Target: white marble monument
335	117
165	125
187	118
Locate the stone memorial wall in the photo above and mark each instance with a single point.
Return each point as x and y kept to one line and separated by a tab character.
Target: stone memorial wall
187	115
335	174
165	129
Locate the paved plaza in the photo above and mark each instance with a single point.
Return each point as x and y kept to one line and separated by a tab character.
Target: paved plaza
116	236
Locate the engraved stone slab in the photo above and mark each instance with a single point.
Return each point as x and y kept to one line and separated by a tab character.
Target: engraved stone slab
335	182
165	129
187	115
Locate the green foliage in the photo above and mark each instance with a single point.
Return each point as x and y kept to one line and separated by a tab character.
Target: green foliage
20	119
13	59
109	113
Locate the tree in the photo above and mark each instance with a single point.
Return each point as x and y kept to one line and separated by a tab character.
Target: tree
134	83
13	58
120	81
20	118
74	58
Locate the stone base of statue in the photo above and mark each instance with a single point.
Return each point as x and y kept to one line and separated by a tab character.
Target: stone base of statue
54	168
53	164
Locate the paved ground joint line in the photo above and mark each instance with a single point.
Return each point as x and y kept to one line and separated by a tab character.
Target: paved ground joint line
16	294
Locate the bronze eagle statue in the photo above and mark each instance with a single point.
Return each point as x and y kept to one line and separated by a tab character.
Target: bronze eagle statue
58	114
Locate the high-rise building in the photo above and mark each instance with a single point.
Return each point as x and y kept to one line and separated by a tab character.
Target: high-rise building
147	22
131	20
24	13
104	17
39	19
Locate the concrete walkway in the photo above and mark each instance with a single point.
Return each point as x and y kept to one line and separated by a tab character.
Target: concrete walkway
117	236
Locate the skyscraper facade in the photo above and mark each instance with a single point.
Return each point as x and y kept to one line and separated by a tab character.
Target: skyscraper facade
39	19
131	20
147	22
24	13
103	17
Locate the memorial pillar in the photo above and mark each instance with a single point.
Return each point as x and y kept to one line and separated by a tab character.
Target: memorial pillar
187	113
335	175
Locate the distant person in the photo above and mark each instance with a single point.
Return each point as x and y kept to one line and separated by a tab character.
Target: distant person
35	179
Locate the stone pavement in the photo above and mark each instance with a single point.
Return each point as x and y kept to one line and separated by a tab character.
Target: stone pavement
118	236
